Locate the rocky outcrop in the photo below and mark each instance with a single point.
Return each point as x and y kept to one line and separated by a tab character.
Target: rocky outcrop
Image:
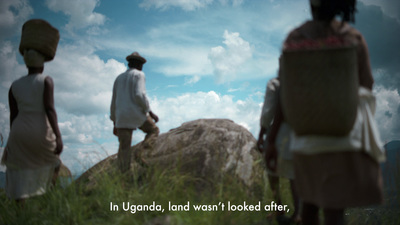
208	149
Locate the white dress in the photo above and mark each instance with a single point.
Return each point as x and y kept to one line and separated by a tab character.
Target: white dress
30	157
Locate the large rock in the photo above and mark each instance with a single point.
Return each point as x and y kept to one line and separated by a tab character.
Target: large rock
209	149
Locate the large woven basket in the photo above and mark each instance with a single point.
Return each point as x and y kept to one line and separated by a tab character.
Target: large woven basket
319	91
39	35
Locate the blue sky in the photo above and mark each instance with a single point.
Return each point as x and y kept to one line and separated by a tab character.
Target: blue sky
206	59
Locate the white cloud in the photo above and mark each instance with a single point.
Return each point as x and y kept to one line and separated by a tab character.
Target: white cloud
187	5
4	124
242	87
167	55
83	82
182	48
10	69
181	60
234	2
191	106
192	80
389	7
81	12
229	60
85	140
82	129
2	168
13	14
80	157
388	113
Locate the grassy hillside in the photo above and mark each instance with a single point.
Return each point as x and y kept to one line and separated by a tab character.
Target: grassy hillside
78	204
123	199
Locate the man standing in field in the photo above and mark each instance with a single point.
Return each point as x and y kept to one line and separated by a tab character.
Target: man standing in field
130	108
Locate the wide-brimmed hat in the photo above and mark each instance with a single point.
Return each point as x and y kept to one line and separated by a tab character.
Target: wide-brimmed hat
136	56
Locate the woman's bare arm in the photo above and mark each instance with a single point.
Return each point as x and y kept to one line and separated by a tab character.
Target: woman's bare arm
48	99
13	107
271	153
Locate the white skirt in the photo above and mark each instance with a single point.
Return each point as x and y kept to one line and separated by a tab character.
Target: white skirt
28	182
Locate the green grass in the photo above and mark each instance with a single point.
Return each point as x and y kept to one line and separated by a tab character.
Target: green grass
76	204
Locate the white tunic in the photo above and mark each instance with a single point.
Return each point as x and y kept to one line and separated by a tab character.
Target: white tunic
129	105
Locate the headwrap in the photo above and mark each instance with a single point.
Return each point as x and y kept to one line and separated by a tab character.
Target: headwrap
33	58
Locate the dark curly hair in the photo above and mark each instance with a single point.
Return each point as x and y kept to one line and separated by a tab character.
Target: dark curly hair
328	9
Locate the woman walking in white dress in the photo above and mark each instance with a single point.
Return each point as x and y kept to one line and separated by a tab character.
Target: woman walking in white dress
35	143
